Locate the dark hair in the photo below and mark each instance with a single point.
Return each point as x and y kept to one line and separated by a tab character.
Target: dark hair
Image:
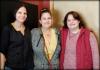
76	16
18	5
44	10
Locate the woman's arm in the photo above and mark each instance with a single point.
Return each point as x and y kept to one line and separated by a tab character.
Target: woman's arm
95	51
2	61
4	42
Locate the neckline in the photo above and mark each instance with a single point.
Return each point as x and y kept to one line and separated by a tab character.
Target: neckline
18	31
71	35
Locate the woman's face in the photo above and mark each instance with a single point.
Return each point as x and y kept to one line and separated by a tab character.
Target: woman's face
72	23
46	20
21	15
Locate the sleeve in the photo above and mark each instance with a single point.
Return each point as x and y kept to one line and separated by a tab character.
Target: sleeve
95	51
4	40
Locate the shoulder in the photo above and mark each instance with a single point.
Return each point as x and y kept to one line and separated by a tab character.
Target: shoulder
93	41
85	31
56	31
35	30
5	32
6	28
88	33
62	29
92	36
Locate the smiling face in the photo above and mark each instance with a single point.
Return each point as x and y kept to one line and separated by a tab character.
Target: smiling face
72	23
21	14
46	20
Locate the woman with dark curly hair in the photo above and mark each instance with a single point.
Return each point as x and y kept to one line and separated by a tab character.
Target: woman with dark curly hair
16	48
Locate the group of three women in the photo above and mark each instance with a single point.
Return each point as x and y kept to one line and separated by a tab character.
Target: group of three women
71	47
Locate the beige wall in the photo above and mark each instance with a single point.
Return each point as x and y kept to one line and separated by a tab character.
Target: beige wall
88	9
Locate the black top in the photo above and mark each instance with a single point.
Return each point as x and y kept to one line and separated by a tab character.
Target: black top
16	48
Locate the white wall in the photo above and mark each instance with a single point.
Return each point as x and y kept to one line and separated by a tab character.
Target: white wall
88	9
